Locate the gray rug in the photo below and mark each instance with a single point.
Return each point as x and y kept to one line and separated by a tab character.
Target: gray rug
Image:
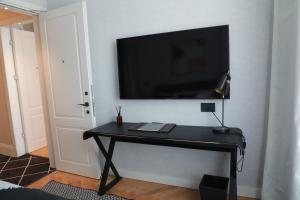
75	193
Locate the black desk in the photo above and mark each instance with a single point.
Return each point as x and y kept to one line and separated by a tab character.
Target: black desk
191	137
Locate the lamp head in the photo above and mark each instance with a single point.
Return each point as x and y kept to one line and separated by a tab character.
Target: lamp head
223	84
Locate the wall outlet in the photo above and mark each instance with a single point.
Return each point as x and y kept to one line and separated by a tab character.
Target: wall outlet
208	107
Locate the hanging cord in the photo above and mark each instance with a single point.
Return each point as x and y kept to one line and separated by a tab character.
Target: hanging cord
217	118
242	163
242	159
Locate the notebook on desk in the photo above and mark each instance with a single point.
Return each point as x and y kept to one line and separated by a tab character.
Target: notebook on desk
152	127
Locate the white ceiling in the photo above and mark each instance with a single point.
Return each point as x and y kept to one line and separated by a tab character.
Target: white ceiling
38	5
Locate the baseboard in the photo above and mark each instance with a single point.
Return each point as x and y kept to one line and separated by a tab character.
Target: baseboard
8	150
187	183
251	192
33	146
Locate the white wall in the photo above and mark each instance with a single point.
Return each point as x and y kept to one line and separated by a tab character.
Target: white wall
250	41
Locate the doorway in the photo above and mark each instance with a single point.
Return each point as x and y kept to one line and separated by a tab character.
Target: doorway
66	88
20	64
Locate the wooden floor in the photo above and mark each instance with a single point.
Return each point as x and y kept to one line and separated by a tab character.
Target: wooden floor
128	188
43	152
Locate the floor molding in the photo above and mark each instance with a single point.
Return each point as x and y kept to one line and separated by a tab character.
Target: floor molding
244	191
8	150
251	192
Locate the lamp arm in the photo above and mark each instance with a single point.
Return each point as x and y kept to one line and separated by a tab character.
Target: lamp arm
217	118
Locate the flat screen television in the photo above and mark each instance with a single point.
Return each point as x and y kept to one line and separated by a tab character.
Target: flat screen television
175	65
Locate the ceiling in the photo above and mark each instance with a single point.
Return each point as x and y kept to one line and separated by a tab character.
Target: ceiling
9	17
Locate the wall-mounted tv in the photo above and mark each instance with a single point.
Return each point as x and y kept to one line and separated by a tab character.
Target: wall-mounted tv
175	65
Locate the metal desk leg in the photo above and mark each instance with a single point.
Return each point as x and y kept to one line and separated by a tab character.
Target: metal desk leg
103	188
233	183
105	154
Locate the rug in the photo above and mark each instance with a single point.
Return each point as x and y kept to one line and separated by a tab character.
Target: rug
75	193
24	170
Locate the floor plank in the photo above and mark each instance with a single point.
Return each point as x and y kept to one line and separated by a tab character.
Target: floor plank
129	188
43	152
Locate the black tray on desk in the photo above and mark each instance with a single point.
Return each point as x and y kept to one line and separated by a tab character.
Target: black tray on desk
165	129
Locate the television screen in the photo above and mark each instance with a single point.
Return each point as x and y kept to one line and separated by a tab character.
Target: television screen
176	65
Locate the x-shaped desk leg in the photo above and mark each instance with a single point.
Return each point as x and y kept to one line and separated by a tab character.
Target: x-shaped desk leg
103	188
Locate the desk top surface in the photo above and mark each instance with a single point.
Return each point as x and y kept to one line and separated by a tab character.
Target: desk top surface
192	134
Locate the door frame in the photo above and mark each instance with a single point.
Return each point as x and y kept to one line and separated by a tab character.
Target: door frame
39	48
37	33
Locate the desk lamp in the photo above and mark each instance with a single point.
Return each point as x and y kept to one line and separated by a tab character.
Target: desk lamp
222	89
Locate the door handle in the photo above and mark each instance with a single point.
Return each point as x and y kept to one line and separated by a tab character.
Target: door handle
86	104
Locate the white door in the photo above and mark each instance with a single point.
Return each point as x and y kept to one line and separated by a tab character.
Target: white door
68	79
27	69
